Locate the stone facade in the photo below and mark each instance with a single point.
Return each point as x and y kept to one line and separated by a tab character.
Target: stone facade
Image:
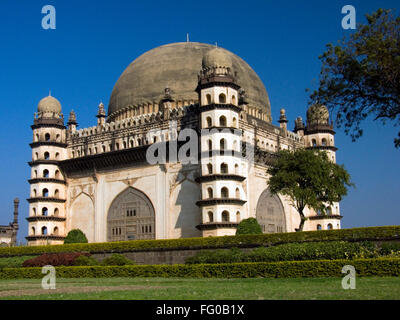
100	180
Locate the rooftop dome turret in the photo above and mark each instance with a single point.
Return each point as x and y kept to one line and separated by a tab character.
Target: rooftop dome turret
49	104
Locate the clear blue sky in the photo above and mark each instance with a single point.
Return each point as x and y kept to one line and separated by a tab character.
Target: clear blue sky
94	41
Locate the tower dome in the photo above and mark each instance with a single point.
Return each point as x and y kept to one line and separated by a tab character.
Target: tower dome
49	104
216	58
317	114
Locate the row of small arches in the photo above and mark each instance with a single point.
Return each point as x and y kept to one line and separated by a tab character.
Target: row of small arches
45	193
46	156
224	193
45	212
225	216
221	99
44	231
48	137
222	122
223	169
46	174
328	227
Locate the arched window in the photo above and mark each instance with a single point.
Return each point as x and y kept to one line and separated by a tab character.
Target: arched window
131	143
208	98
329	211
56	193
238	216
234	100
210	168
56	212
33	231
237	193
36	156
225	216
55	231
236	168
58	155
222	121
234	122
34	211
210	192
36	137
222	98
34	193
210	216
44	231
209	145
222	145
46	156
45	173
319	227
57	137
45	193
35	173
47	137
224	192
323	142
57	174
209	122
45	212
314	142
224	168
329	226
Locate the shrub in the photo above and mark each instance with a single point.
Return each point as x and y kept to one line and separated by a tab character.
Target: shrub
289	252
53	259
13	262
355	234
117	260
249	226
217	256
75	236
390	248
84	260
285	269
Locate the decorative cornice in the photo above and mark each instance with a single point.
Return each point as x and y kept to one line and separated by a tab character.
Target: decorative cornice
216	201
48	143
323	148
45	218
325	216
45	199
319	128
217	225
37	162
216	177
44	237
46	180
222	106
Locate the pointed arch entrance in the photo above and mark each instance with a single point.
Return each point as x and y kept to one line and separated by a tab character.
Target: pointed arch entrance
131	216
270	213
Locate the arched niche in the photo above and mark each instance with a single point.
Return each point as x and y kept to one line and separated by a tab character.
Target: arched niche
270	213
131	216
82	216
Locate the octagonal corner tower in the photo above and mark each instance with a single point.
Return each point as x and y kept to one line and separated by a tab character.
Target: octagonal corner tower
176	66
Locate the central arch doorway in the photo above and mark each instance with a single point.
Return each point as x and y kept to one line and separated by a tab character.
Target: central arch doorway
131	217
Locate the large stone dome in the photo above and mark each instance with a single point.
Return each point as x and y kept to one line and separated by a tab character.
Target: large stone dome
49	104
176	66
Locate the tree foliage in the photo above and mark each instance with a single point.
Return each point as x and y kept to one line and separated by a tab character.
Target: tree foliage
360	76
308	178
249	226
75	236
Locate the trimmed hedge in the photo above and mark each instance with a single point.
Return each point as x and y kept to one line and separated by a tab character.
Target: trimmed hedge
294	252
54	259
285	269
355	234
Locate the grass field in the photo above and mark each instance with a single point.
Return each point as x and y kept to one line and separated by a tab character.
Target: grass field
202	289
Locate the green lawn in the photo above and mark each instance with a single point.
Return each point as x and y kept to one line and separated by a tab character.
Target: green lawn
202	289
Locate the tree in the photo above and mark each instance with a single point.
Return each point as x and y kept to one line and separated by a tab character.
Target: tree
249	226
360	76
75	236
308	178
